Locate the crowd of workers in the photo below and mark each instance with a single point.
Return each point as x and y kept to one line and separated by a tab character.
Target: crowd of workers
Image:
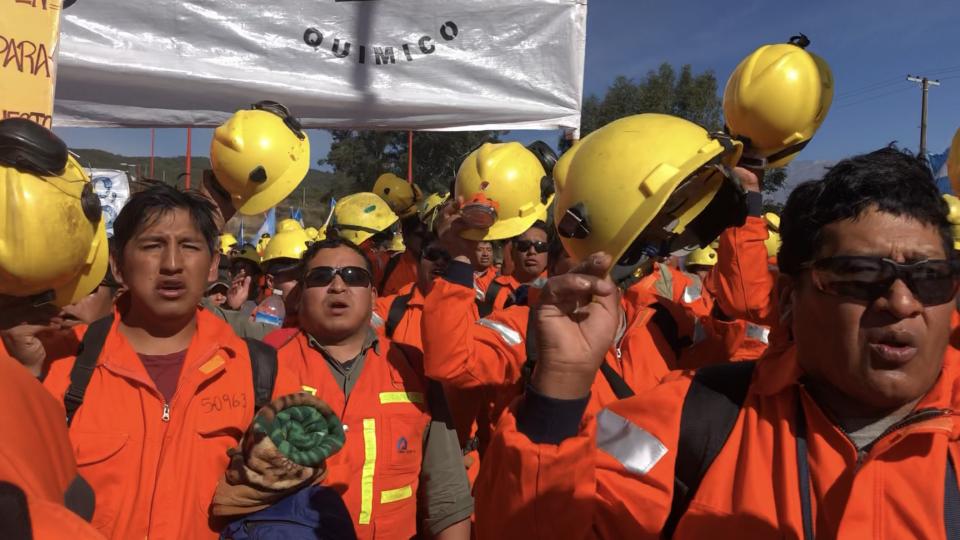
615	343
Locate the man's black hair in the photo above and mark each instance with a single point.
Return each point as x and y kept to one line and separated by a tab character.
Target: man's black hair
890	180
146	207
332	243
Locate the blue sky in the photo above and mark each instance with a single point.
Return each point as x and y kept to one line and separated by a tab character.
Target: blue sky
871	46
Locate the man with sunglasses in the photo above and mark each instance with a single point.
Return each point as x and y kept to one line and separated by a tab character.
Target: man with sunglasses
848	432
401	470
529	255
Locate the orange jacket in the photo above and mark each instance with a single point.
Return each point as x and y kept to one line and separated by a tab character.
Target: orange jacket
404	273
743	282
465	406
36	454
489	354
155	466
377	473
580	488
482	281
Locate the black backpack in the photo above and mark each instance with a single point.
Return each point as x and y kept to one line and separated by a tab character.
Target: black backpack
263	360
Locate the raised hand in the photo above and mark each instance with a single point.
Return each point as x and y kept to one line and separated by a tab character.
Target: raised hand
576	322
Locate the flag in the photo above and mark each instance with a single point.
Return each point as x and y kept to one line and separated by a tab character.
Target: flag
297	214
938	166
269	225
240	241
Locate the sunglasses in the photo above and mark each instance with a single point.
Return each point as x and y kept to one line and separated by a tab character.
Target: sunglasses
932	282
434	254
353	276
524	245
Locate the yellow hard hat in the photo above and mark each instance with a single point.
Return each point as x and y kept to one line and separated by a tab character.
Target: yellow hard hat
705	256
314	234
775	101
507	177
772	243
262	245
402	196
953	162
646	186
289	225
396	244
247	251
429	208
287	244
953	217
260	156
359	216
52	233
227	241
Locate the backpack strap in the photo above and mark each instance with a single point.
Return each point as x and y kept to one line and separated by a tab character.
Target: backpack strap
90	348
397	308
710	410
667	325
263	361
392	263
619	386
485	307
951	502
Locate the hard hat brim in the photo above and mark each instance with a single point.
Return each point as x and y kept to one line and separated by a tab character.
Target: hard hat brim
93	273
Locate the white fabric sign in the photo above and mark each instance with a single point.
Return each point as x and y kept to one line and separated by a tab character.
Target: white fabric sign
113	188
365	64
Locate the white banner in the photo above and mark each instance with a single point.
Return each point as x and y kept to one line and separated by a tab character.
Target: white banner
365	64
113	188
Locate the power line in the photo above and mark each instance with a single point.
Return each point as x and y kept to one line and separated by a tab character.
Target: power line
871	98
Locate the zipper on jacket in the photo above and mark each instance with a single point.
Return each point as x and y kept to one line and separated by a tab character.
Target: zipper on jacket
166	412
913	418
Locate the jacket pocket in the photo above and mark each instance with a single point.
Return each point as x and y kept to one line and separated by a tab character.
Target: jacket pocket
108	465
403	445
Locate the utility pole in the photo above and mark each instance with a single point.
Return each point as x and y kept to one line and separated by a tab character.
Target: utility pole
925	84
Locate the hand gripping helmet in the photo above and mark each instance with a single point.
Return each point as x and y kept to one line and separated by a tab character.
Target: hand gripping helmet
775	101
646	186
53	240
259	156
506	187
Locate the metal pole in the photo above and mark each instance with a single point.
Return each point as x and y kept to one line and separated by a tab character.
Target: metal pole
153	138
188	158
925	84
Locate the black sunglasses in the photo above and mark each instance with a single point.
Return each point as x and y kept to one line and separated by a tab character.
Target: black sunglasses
524	245
932	282
353	276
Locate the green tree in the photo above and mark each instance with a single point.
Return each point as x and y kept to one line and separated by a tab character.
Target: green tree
694	97
361	156
773	181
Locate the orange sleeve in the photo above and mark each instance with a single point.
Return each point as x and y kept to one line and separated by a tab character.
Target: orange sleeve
461	351
743	283
613	479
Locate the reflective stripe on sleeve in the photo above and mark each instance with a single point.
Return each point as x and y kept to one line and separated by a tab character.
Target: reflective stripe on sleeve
508	335
634	447
759	333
